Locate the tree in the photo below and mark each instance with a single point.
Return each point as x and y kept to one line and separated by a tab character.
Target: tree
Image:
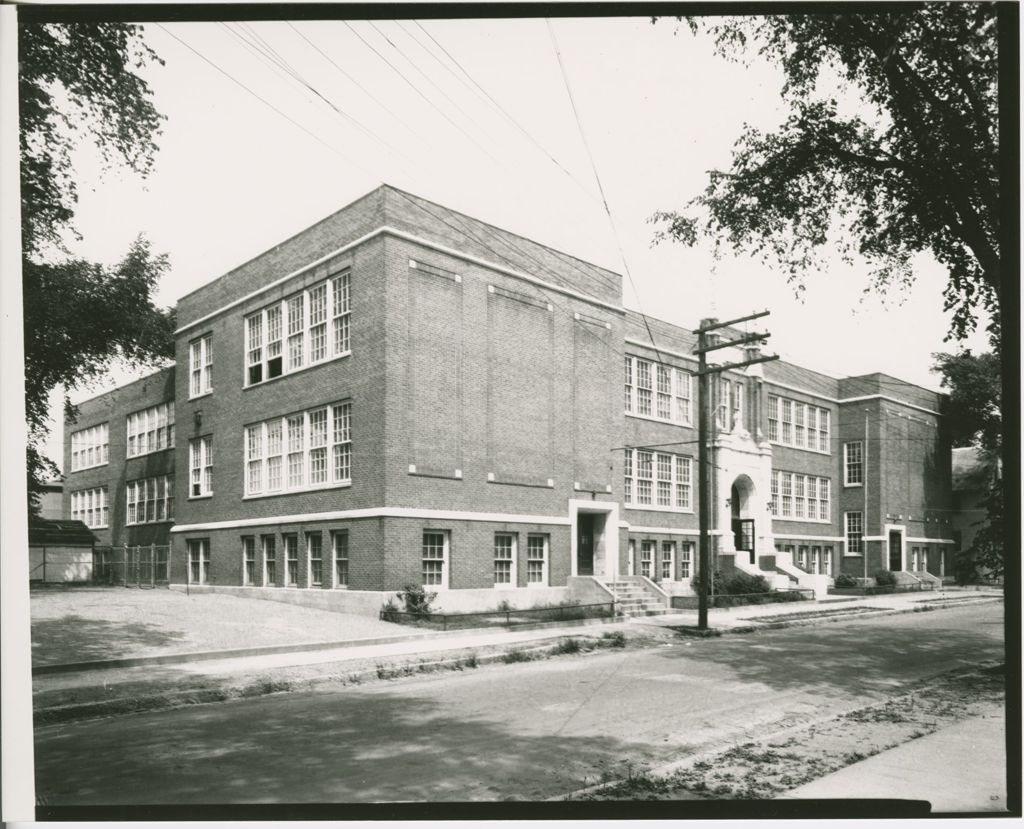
975	417
916	171
79	81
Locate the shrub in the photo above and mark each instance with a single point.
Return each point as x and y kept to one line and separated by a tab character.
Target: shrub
505	605
389	611
566	646
845	580
614	638
517	655
740	583
885	578
417	600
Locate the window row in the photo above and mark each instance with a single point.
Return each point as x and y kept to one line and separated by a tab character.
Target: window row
810	558
309	327
658	391
150	500
668	566
802	497
151	430
90	447
506	556
792	423
90	507
308	450
658	479
260	560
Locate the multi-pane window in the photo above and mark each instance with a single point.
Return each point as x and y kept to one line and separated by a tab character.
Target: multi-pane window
801	557
668	560
657	479
90	507
854	532
151	430
269	560
198	560
826	561
737	404
646	558
317	445
149	500
435	558
685	559
90	447
504	559
536	559
773	418
658	391
339	549
305	329
200	361
792	423
915	554
291	559
724	407
249	559
200	452
315	557
803	497
853	463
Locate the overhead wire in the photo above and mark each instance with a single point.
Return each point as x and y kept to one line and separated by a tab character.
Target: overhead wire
600	187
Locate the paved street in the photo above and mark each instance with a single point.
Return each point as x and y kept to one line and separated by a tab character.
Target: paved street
525	731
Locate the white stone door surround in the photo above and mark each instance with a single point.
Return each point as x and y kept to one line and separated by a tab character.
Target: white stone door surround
606	544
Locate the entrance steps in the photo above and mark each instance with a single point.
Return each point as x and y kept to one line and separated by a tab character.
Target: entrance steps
637	597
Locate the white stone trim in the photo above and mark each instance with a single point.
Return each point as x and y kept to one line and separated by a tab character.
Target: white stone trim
787	536
931	540
890	400
660	350
409	237
378	512
665	530
786	387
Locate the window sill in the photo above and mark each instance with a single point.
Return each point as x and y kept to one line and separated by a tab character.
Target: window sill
128	457
200	396
801	448
87	468
683	423
655	508
803	520
294	372
199	497
149	523
852	486
297	491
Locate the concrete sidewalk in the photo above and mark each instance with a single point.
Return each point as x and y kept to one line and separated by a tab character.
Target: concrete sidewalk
961	768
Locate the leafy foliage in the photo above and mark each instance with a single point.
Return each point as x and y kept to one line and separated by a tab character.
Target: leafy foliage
885	578
975	415
916	170
79	81
846	580
417	600
739	584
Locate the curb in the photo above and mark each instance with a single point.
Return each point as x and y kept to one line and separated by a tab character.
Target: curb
310	647
666	769
395	669
754	627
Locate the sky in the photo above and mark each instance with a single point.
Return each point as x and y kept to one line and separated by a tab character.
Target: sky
476	115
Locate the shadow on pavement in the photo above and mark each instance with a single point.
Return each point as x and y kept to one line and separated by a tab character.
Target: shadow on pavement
79	639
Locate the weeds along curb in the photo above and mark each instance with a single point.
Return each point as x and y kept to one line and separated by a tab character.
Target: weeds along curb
755	627
383	671
790	727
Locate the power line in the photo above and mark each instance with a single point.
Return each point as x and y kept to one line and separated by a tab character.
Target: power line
597	178
257	95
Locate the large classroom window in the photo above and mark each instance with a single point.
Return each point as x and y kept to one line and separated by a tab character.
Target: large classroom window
90	507
853	463
658	480
151	430
309	450
658	391
307	328
150	500
792	423
200	360
90	447
801	497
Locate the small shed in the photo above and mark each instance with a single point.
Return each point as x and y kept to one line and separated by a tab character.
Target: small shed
59	550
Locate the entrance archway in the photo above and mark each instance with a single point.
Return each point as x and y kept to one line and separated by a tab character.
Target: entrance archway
743	526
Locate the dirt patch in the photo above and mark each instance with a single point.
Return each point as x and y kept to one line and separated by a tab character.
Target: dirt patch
767	768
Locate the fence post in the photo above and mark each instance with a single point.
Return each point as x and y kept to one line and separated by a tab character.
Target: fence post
152	565
124	565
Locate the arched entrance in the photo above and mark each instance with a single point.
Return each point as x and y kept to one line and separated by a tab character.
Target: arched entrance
743	528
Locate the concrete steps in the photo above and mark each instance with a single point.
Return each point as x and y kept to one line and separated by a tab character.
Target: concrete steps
634	599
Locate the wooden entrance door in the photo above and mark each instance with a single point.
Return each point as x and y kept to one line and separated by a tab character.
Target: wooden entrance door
585	544
895	550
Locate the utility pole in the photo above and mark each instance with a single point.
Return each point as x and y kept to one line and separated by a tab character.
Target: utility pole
703	461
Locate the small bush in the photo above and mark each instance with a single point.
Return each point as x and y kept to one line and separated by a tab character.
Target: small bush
885	578
471	661
740	583
417	600
614	638
845	580
566	646
516	655
389	611
505	605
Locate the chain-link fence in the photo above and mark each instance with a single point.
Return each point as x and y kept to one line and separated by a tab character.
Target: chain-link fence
140	566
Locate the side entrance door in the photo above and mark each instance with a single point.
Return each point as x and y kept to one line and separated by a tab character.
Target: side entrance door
743	535
585	544
895	550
